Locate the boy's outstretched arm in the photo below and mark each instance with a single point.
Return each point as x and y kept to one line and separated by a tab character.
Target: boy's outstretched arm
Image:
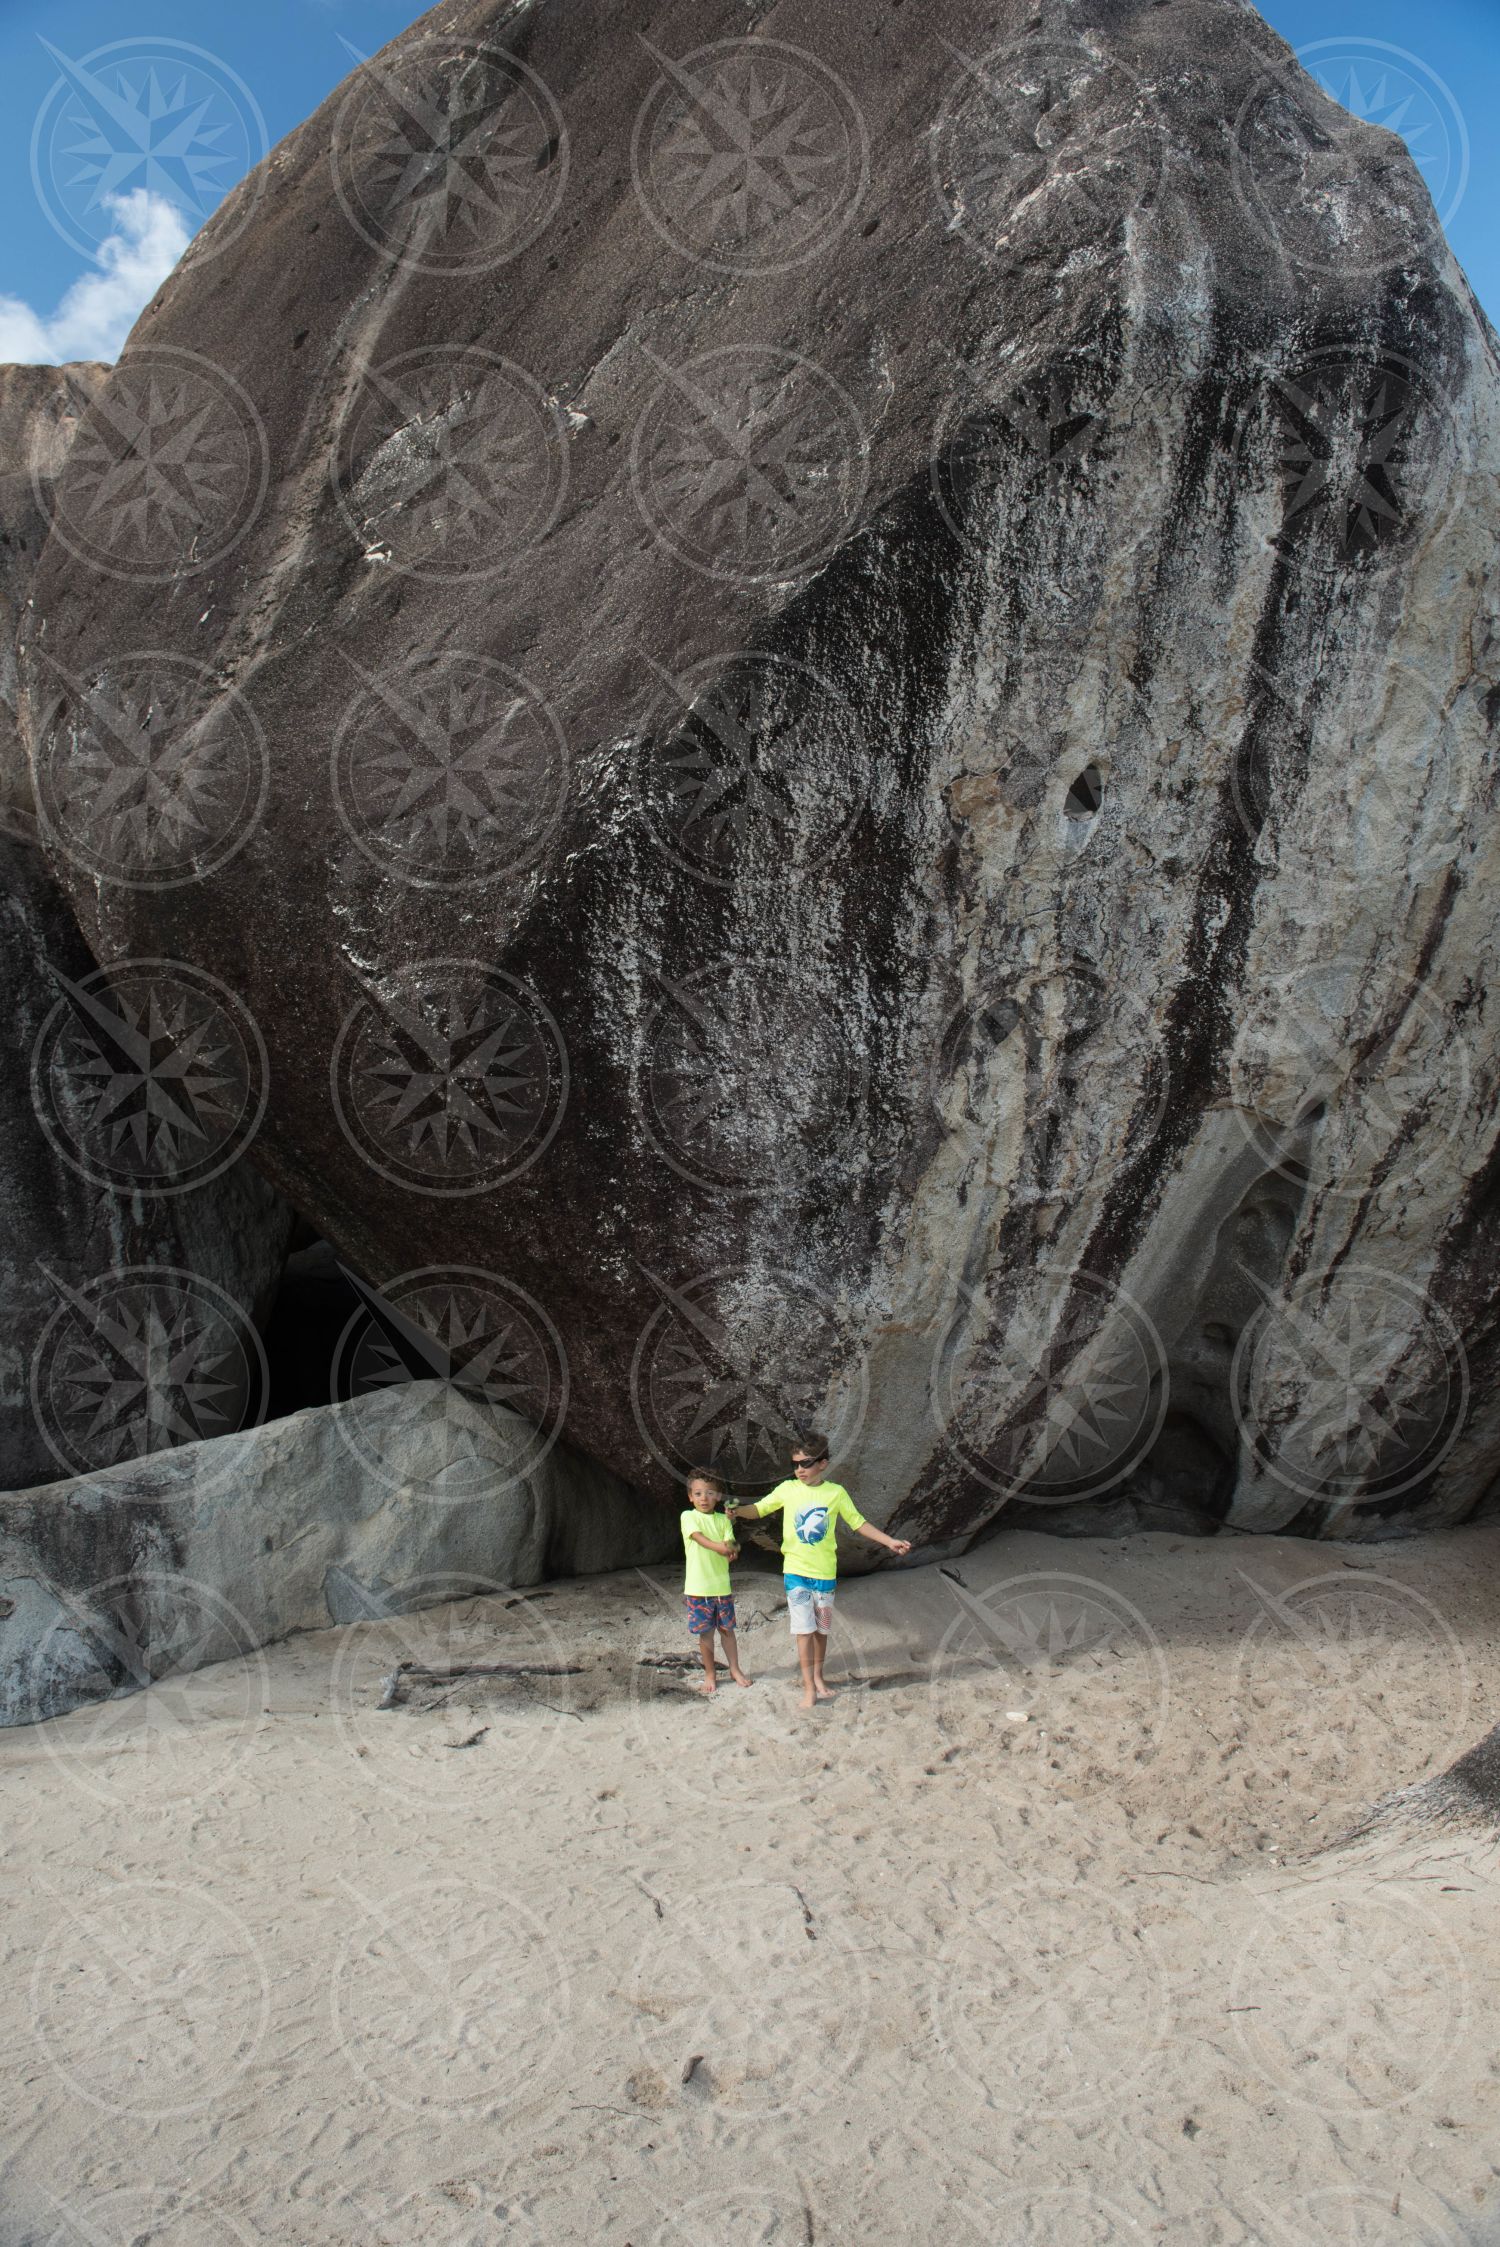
731	1550
879	1537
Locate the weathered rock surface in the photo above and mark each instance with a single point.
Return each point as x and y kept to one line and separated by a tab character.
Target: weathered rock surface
129	1314
39	408
1466	1794
398	1500
1473	1783
864	769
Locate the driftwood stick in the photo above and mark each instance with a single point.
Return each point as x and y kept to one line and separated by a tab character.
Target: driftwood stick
490	1669
404	1672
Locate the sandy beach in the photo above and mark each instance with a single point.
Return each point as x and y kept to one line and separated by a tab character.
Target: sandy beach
1043	1931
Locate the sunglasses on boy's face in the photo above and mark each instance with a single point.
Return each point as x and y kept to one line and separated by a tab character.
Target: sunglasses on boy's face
822	1455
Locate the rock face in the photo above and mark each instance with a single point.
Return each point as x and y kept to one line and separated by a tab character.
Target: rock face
1473	1783
392	1502
108	1224
139	1252
39	409
849	679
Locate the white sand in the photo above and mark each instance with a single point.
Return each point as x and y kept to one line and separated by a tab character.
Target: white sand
280	1967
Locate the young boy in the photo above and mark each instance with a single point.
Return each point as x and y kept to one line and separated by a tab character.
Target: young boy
811	1508
708	1542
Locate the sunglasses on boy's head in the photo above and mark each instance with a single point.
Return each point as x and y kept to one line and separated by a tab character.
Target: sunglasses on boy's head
822	1455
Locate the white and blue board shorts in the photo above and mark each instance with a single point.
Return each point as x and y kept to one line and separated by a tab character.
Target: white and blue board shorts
809	1603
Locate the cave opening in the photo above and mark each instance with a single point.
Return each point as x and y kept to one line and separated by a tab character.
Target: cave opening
314	1304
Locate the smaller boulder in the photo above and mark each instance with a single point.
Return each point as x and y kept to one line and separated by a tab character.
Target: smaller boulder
400	1499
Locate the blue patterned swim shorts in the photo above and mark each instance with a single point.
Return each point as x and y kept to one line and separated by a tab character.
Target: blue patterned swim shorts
708	1614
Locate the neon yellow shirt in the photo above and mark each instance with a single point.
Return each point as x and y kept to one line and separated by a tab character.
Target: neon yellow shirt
809	1528
707	1573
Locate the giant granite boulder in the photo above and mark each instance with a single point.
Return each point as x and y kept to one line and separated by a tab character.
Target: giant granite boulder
835	678
39	409
128	1216
140	1253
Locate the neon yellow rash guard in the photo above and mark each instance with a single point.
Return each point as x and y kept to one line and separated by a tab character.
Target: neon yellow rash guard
810	1515
707	1574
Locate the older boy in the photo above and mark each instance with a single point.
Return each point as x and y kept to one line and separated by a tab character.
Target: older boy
811	1508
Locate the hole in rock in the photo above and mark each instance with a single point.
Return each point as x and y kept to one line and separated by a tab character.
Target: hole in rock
314	1304
1086	794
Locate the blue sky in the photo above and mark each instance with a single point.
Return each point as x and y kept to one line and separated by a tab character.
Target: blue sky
78	261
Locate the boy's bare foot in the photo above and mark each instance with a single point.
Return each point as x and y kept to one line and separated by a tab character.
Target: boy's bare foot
704	1687
807	1699
740	1678
823	1689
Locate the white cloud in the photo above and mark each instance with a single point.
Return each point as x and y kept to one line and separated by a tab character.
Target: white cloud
100	309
